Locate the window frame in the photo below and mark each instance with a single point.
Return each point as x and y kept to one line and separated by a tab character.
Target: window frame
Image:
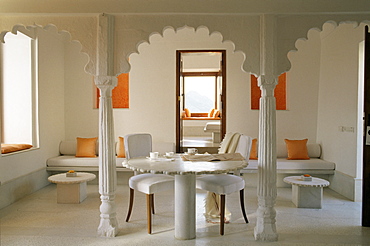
216	75
34	109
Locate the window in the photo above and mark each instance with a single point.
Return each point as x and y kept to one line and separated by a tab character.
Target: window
200	93
18	90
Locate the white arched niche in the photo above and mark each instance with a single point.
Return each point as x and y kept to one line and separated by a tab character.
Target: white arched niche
153	84
324	76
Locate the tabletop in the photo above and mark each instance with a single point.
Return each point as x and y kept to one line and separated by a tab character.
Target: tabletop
315	182
177	165
62	179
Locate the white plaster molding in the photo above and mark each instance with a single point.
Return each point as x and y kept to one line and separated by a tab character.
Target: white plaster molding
147	25
291	28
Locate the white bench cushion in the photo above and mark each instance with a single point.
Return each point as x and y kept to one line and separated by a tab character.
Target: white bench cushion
72	161
283	164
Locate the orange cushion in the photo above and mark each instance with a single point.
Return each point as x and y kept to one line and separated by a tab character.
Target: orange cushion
8	148
86	147
216	113
210	114
187	112
254	154
297	149
121	148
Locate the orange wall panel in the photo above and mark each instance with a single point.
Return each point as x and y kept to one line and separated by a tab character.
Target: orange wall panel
120	94
280	93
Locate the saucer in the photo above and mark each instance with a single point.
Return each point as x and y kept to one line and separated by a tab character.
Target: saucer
187	153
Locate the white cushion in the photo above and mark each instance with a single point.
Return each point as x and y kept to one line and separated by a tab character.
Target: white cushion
283	163
151	183
72	161
220	183
212	127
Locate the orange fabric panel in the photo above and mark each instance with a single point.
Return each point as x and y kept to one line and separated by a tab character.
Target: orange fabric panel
255	93
120	94
280	93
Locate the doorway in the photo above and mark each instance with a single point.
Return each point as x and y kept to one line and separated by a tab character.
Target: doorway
200	99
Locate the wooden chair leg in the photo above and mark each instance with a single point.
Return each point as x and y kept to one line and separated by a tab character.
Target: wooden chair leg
149	212
242	205
222	214
130	205
152	197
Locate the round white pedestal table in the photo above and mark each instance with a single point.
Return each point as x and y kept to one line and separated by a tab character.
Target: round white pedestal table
185	173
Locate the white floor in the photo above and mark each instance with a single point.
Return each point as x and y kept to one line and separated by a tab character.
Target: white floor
39	220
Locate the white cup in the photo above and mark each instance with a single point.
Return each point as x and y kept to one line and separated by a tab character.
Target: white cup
192	151
153	155
169	154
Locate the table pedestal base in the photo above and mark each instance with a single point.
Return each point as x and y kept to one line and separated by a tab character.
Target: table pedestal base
71	193
307	197
185	206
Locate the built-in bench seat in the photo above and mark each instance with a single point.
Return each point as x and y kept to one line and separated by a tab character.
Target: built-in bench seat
314	165
67	160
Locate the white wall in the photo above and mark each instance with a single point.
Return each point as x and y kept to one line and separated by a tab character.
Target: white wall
81	120
338	95
51	110
300	120
23	173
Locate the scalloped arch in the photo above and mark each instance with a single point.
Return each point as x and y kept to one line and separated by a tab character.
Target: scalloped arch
31	31
201	32
326	27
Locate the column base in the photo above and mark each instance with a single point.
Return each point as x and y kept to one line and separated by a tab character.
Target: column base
108	227
265	229
265	233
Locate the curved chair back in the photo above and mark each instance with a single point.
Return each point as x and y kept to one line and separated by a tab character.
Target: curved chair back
244	146
138	145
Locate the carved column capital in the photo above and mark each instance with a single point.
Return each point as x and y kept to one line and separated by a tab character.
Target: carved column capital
267	85
105	80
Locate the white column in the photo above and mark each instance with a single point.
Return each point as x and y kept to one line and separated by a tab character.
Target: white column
108	226
265	229
106	81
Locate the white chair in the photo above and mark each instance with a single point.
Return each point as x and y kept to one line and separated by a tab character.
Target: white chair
140	145
224	184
